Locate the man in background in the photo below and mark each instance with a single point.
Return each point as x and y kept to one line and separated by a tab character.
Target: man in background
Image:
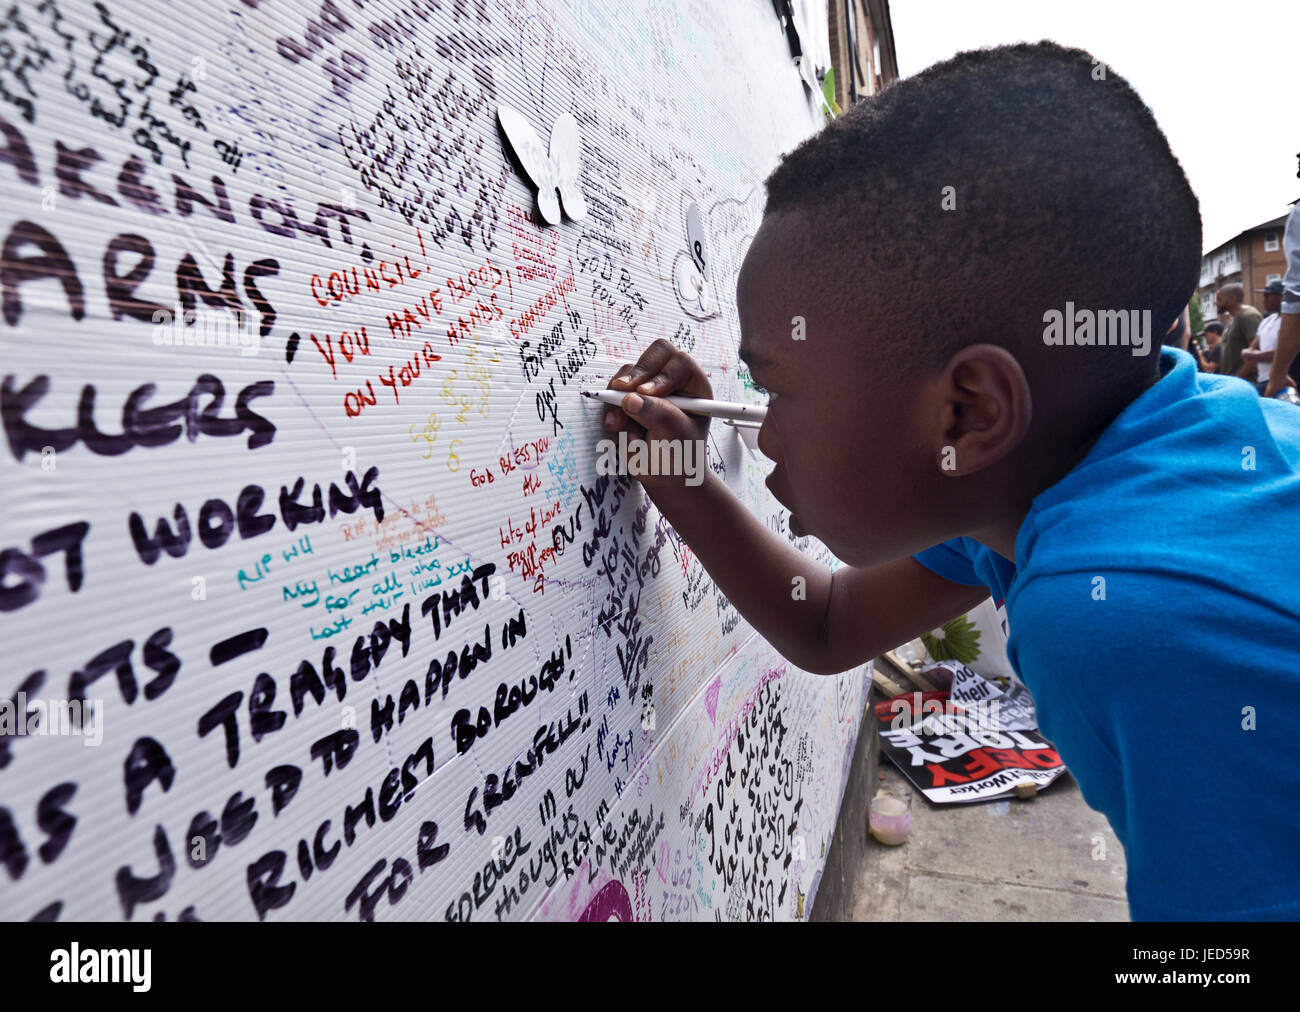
1230	300
1288	336
1260	352
1213	337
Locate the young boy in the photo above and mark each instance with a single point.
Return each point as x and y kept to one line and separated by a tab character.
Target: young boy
1010	436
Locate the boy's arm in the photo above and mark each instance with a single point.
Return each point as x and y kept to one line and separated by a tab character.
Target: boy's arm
820	620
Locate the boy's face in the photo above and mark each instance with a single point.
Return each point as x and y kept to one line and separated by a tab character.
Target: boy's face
839	422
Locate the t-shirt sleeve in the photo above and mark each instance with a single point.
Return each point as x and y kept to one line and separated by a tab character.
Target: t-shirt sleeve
1165	723
951	561
1249	324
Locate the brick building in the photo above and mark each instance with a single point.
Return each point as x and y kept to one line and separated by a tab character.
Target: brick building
862	48
1251	258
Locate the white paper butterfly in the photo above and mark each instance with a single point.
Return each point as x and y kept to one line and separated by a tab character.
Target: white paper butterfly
691	270
550	172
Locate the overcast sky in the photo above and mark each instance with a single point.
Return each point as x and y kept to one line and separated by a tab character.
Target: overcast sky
1214	74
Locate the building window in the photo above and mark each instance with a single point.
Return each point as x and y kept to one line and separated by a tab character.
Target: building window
1270	242
1271	278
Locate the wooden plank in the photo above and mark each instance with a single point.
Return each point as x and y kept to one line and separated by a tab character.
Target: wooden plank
908	672
886	685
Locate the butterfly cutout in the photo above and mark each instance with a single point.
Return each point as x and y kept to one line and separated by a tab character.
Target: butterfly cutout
695	239
556	170
691	270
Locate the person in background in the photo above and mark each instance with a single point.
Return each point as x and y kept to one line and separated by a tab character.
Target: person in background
1285	358
1230	300
1260	352
1212	335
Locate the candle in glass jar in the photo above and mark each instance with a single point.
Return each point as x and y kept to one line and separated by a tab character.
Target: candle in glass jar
890	820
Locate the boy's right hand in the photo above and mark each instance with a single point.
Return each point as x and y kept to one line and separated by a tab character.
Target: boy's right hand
661	371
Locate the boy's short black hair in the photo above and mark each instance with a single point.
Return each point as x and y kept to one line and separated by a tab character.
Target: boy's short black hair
1063	188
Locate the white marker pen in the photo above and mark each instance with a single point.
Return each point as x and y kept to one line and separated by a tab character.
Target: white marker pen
691	405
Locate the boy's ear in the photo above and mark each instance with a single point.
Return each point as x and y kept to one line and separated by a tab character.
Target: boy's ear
985	409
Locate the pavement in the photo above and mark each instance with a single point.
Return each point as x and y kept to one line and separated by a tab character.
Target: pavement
1050	858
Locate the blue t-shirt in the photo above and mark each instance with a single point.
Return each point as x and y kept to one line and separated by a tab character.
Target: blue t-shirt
1154	614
